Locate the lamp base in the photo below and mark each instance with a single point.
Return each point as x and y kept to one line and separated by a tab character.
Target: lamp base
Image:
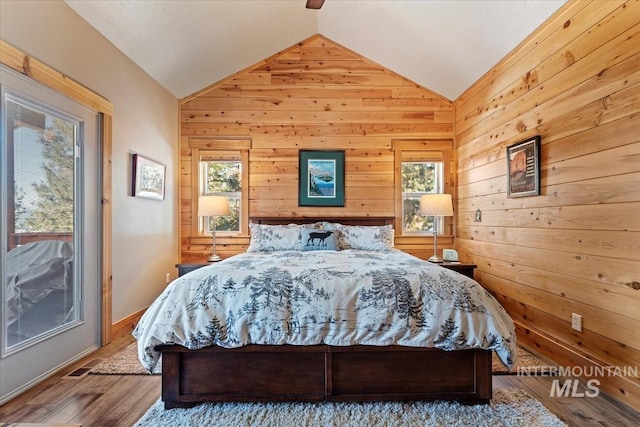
435	259
214	258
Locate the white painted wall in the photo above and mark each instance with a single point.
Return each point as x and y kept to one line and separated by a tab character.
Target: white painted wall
190	45
443	45
145	121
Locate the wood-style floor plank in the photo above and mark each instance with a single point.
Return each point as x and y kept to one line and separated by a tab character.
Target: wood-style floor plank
91	400
120	400
598	411
39	425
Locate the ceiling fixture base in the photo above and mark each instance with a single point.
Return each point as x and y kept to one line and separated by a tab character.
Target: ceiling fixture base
314	4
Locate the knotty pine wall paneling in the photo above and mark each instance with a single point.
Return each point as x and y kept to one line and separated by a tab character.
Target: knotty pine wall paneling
576	247
316	95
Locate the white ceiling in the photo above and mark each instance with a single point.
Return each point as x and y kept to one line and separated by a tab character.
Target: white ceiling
443	45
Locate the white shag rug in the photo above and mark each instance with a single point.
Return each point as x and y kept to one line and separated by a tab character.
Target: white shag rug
509	407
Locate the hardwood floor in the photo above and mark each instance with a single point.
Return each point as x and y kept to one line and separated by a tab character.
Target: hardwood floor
91	400
575	411
120	400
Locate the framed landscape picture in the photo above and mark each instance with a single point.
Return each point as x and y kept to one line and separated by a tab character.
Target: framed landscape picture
523	168
148	178
321	180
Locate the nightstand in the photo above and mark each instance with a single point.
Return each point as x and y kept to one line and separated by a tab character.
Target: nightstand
460	267
186	268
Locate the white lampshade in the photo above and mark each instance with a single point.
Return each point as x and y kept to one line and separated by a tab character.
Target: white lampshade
213	206
436	204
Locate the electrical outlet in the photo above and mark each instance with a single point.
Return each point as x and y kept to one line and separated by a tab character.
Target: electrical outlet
167	278
576	322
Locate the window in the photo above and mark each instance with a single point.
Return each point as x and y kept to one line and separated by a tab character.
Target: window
221	175
422	166
42	184
50	250
419	178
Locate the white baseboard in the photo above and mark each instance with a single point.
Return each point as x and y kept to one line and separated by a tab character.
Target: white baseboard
4	399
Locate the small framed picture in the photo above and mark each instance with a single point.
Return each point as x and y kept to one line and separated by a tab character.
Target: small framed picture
523	168
321	180
148	178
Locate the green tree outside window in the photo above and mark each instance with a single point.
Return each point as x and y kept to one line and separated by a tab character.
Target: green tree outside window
223	178
418	178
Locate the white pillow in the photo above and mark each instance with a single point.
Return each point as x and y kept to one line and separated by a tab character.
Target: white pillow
369	238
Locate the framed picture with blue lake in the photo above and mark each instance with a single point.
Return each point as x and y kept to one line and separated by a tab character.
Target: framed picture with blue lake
321	181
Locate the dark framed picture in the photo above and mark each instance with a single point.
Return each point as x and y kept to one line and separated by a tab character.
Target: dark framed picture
321	181
523	168
148	178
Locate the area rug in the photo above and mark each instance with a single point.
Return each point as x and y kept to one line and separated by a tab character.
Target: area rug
509	407
125	362
526	362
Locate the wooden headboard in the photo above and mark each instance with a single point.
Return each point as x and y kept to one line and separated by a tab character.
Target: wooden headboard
364	220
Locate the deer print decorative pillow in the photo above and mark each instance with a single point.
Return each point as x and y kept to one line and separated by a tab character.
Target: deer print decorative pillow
318	240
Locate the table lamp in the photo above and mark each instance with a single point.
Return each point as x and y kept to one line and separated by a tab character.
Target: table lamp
213	206
436	205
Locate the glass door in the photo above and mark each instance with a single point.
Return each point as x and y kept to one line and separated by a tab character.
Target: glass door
49	222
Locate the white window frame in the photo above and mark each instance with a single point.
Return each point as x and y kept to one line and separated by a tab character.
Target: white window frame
438	189
202	191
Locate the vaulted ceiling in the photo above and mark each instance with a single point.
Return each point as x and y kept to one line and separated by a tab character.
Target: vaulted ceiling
443	45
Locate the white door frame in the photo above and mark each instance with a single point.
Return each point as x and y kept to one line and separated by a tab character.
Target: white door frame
31	67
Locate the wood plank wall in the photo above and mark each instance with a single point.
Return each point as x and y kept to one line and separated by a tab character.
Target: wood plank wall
576	247
316	95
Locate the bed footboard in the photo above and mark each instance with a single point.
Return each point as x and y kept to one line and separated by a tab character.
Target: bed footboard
322	373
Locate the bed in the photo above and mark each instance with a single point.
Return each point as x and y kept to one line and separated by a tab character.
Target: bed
324	311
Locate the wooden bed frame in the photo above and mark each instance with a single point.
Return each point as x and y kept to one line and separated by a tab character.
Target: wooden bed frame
323	373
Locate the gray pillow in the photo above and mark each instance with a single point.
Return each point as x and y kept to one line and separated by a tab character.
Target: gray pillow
318	240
